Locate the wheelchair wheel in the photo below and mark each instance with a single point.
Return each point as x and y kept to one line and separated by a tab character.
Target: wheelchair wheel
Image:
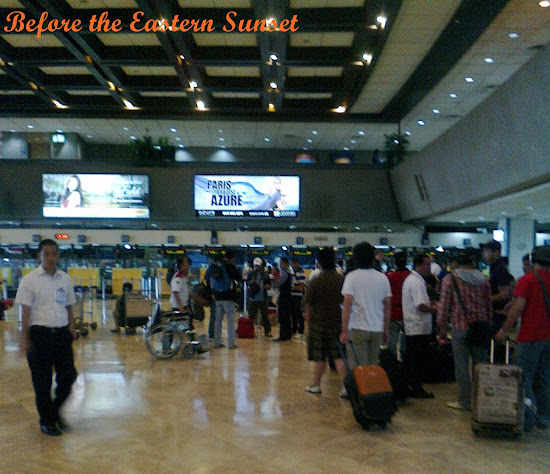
188	351
163	341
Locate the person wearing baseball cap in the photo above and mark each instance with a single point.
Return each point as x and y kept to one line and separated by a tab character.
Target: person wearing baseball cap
532	304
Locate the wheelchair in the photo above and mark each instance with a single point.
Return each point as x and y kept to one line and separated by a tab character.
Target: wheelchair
173	333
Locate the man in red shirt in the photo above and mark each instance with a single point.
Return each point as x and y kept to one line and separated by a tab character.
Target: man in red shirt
397	329
533	341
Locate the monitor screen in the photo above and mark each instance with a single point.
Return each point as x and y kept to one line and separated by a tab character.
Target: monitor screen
96	196
247	196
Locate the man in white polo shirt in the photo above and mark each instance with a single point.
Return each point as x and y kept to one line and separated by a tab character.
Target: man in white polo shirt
417	316
46	296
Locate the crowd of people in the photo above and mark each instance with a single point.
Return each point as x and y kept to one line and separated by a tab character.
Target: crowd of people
404	309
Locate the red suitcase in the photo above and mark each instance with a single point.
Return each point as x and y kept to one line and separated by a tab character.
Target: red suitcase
245	328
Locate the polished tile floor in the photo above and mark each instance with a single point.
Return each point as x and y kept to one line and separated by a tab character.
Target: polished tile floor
228	411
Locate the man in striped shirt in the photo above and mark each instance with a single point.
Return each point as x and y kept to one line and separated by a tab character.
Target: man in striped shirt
473	288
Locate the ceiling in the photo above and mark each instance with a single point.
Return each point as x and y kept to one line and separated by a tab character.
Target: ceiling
115	85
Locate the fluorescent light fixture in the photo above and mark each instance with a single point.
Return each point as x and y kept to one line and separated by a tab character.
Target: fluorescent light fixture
59	105
382	20
498	235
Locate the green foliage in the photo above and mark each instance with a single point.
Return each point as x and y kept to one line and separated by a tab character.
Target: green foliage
147	152
396	146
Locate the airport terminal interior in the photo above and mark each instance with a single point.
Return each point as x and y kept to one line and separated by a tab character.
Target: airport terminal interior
134	132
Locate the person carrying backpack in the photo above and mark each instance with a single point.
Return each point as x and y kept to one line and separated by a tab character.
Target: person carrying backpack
222	276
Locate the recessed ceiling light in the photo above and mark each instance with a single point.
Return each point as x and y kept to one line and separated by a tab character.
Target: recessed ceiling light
421	123
382	20
173	130
12	131
30	127
182	56
340	109
89	136
59	130
362	133
367	58
200	105
271	107
305	148
544	4
180	145
267	139
353	141
222	139
309	140
274	57
513	35
178	139
469	79
452	95
133	137
489	60
481	218
220	130
125	128
346	148
357	228
193	84
407	133
462	222
335	227
436	111
273	85
315	132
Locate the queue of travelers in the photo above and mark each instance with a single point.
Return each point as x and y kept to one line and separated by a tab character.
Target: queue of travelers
366	306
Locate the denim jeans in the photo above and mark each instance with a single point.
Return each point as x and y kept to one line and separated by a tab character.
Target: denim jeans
227	307
534	359
462	352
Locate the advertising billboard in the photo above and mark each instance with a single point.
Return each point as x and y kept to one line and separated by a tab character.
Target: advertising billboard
96	196
247	196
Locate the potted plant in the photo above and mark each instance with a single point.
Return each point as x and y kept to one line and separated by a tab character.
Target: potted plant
148	153
396	147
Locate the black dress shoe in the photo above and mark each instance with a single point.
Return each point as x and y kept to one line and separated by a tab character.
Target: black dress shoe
62	425
51	430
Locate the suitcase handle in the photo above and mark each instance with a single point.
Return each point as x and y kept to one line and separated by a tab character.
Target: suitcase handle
492	355
344	357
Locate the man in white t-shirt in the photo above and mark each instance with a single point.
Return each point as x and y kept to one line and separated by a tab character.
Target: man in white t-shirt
179	291
367	305
417	316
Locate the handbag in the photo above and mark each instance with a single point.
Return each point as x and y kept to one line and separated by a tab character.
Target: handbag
479	333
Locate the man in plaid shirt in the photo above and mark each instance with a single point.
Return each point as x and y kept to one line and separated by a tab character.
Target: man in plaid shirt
475	291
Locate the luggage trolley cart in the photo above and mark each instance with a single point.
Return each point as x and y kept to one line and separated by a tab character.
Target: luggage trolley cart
84	307
165	339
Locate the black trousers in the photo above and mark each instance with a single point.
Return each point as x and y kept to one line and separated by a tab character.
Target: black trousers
51	348
297	314
415	356
285	331
260	306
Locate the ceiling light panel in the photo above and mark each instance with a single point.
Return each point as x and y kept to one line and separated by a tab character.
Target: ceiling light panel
225	39
309	40
245	71
101	4
298	4
31	41
149	71
129	39
66	70
315	71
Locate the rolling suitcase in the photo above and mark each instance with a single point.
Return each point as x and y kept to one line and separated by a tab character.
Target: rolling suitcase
370	393
498	398
245	328
396	373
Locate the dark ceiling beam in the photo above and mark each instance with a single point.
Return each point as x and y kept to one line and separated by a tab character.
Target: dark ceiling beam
29	78
366	40
469	22
79	46
179	47
273	72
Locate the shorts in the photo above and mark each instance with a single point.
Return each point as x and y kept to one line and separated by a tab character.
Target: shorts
322	345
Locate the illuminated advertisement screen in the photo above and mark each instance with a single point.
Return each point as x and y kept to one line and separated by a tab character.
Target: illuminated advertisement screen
247	196
96	196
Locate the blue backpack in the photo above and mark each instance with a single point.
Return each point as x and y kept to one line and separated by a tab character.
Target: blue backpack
220	279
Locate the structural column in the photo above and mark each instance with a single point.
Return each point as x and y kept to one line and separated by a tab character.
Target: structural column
519	239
